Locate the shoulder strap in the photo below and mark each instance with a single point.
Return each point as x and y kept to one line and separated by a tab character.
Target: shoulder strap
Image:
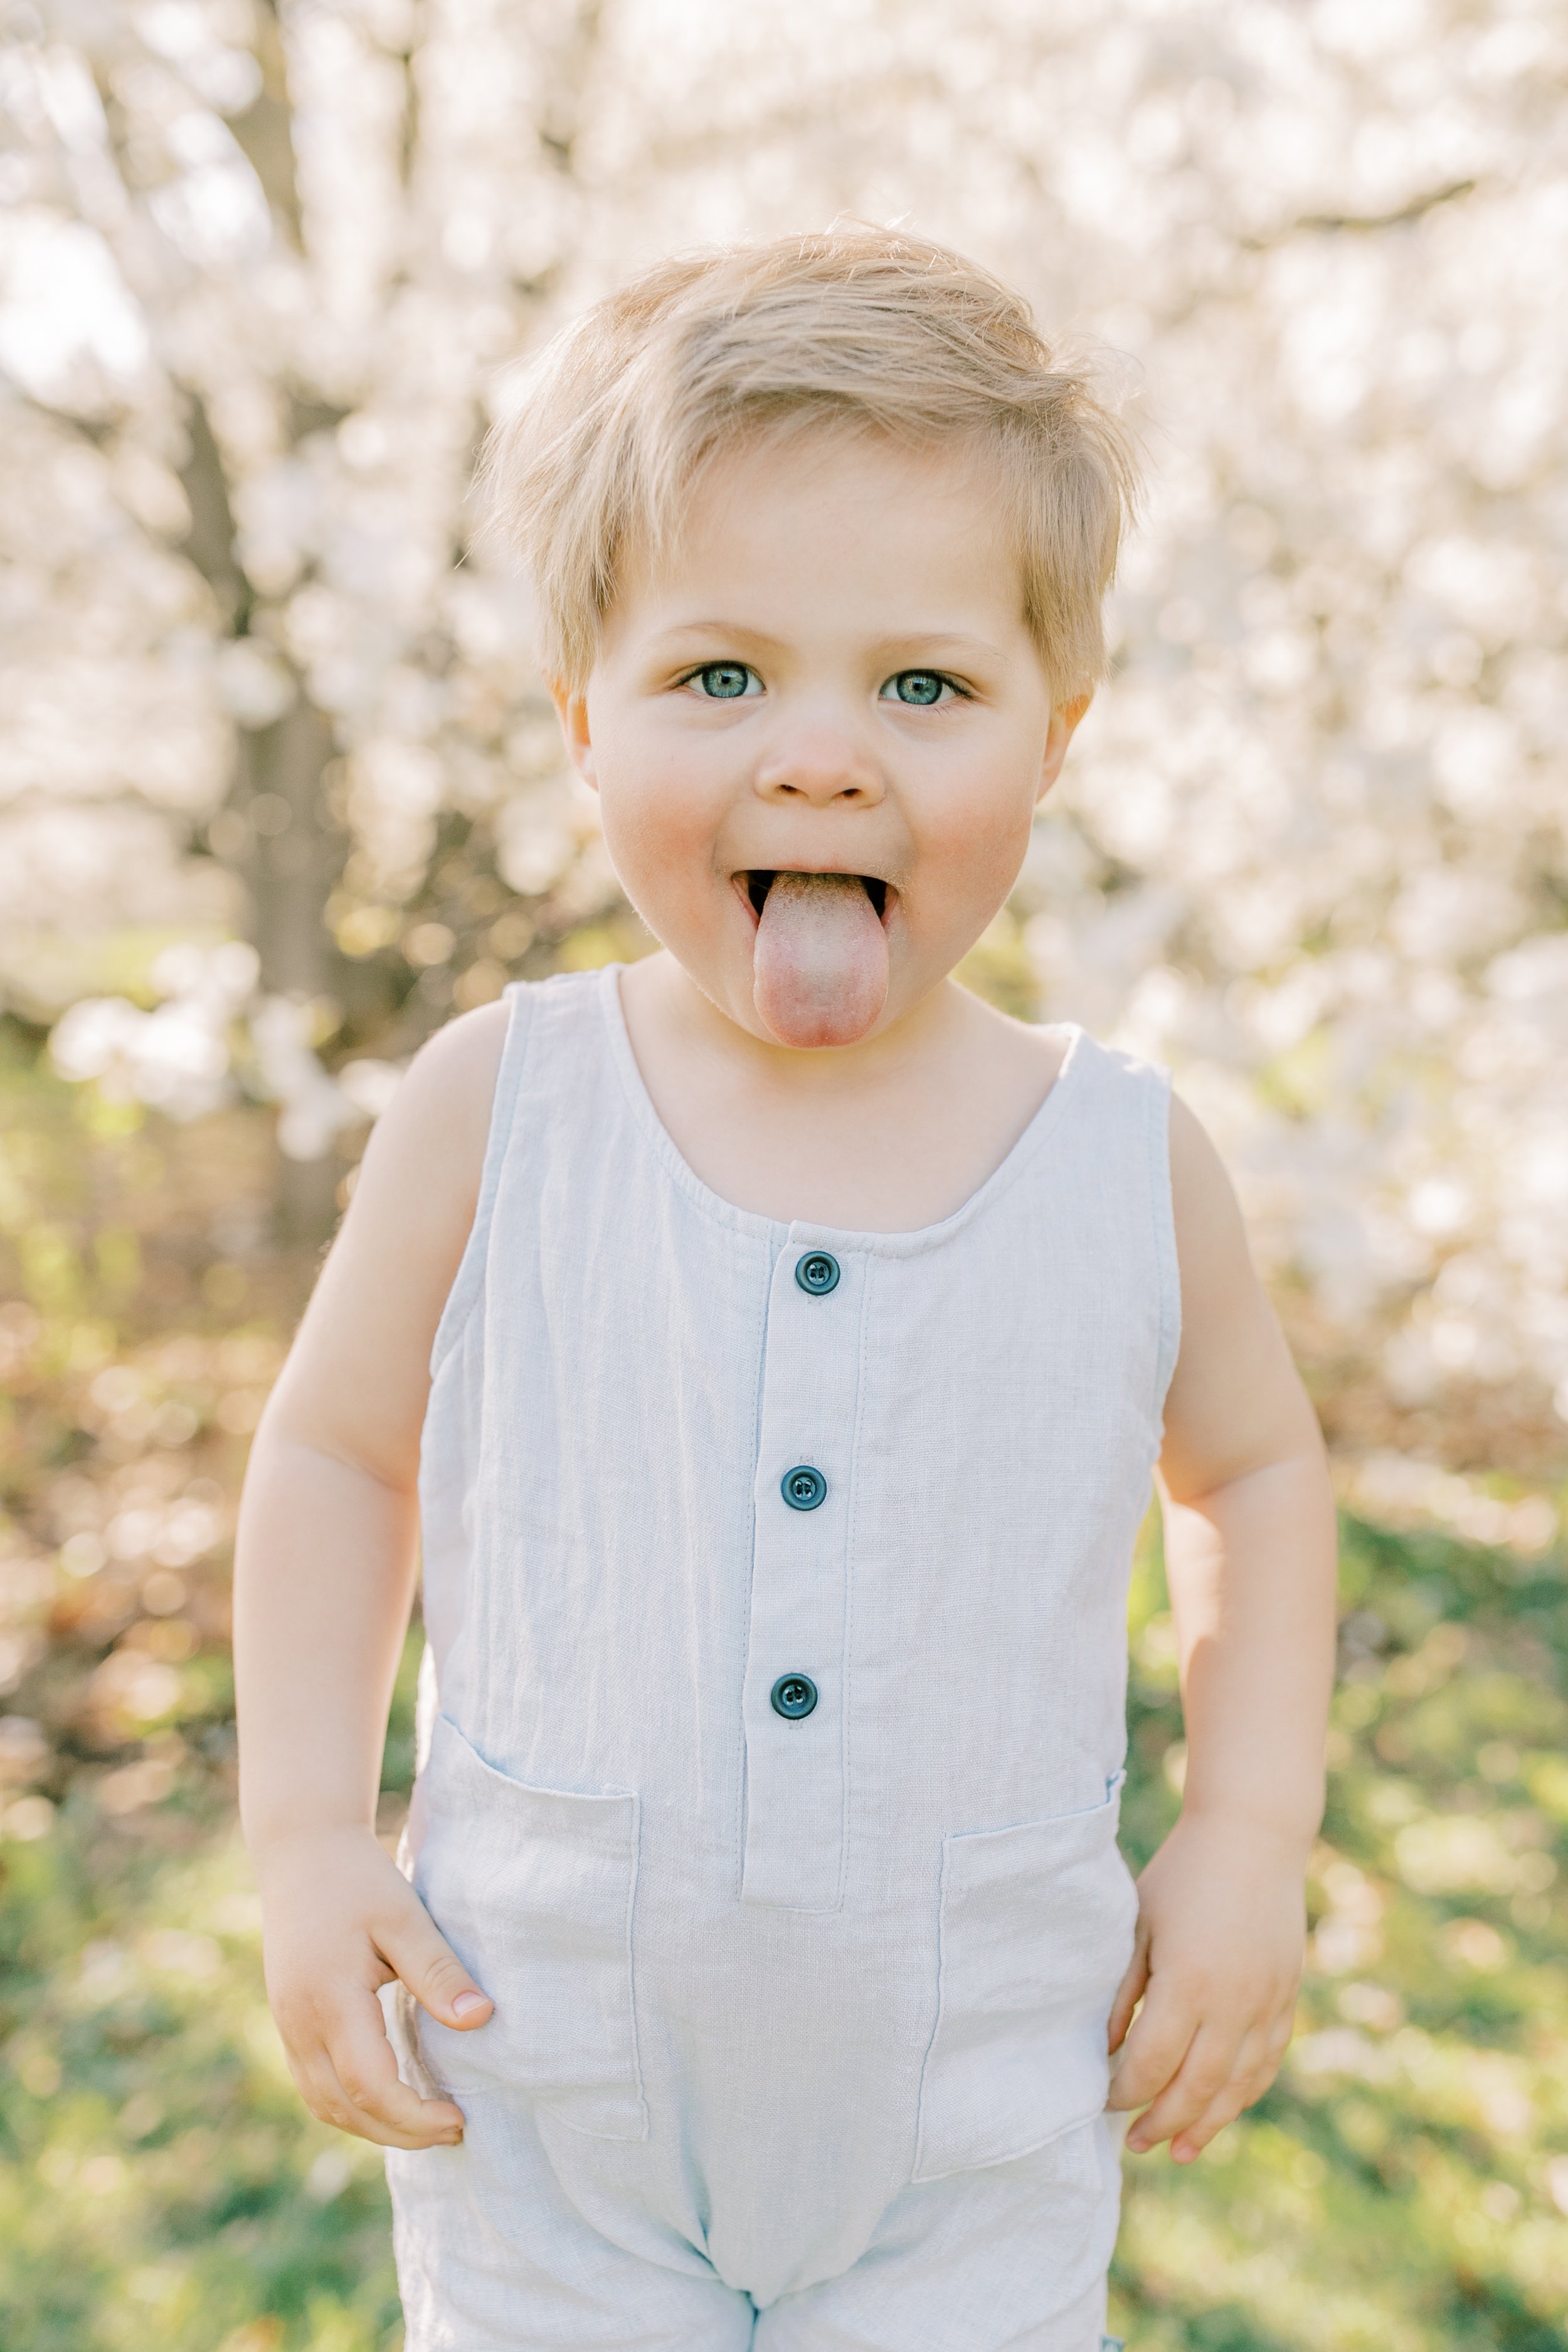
519	997
1138	1095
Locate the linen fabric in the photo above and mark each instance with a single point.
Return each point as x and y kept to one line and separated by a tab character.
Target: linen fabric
799	2038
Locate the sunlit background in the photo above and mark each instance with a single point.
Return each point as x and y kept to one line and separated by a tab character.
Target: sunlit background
279	791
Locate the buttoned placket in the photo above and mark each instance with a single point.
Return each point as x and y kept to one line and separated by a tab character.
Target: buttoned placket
794	1735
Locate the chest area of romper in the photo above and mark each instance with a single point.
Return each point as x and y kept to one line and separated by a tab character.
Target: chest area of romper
787	1514
648	1366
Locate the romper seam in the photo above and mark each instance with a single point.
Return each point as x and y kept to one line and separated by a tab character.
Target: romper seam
760	1317
630	1945
941	1968
852	1516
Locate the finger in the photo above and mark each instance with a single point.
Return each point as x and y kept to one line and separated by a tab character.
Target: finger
413	1947
1204	2070
1129	1992
311	2032
1223	2108
328	2098
318	2087
408	2123
1255	2064
366	2068
1156	2044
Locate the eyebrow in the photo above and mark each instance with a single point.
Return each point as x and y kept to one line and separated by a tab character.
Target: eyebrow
678	629
953	640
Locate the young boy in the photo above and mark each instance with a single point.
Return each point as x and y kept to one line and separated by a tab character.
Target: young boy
785	1341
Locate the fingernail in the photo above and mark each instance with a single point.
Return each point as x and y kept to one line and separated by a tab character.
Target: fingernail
467	2001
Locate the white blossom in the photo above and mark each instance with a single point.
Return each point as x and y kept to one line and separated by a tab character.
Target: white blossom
1312	845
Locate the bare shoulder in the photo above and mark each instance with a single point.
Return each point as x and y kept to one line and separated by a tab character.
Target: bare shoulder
1235	1400
437	1124
357	1375
1209	1229
419	1180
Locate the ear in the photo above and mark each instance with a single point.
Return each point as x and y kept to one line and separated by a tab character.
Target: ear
571	709
1059	734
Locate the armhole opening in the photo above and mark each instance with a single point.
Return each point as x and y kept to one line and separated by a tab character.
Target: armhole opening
469	1281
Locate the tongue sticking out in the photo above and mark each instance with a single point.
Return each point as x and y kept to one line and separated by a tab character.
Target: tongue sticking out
820	963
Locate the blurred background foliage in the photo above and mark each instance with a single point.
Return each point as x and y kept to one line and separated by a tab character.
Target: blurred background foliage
279	792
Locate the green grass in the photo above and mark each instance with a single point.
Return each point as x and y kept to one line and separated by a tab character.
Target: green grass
160	2182
1404	2186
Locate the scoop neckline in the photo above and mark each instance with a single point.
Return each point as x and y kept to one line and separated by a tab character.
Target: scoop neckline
751	1221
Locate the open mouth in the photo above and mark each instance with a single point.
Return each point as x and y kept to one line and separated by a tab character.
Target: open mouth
820	960
761	880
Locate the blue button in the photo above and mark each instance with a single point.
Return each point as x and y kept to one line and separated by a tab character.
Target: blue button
804	1489
794	1696
818	1272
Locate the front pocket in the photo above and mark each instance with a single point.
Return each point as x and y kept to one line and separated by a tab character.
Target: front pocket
533	1890
1036	1929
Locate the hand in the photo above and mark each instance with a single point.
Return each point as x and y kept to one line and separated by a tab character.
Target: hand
1217	1962
340	1920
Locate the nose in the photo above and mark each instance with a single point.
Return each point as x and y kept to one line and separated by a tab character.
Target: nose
821	766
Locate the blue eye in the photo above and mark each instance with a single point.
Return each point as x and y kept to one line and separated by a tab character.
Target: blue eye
920	687
722	681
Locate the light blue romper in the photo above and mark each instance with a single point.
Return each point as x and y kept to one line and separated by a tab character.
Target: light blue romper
773	1731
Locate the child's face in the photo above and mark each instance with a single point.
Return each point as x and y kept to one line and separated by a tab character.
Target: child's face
833	677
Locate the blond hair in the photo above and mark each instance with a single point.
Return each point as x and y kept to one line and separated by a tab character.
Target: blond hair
859	327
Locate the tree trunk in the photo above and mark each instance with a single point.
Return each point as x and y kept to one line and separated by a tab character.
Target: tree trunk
290	870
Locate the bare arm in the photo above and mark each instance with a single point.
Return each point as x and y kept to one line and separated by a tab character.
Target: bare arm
1249	1526
1250	1560
324	1571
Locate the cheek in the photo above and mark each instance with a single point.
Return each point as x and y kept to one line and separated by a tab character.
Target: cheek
972	836
659	822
